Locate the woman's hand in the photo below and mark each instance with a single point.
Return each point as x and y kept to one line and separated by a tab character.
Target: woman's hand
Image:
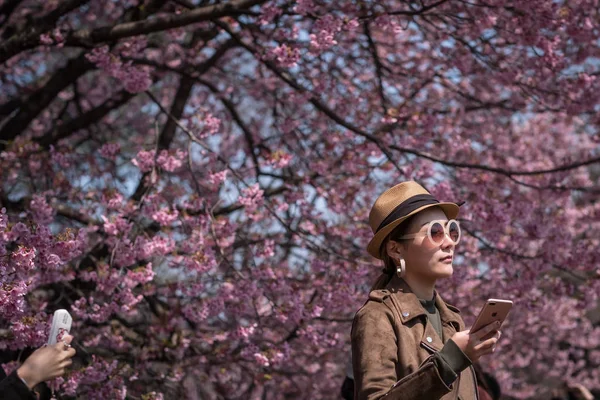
47	362
472	345
581	392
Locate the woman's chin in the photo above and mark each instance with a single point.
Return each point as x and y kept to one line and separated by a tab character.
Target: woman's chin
444	271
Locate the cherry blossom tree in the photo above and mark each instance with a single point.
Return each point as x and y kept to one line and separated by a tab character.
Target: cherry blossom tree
192	179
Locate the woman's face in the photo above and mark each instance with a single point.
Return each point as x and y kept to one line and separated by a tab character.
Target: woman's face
424	259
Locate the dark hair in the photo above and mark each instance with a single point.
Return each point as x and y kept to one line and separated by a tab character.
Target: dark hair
389	267
347	390
487	381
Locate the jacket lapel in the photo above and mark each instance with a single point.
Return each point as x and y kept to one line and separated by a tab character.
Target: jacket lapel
448	313
410	307
405	300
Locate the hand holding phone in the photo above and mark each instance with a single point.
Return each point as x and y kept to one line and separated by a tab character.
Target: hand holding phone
45	363
481	339
61	326
492	311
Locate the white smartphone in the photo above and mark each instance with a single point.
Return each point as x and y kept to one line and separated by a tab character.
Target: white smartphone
61	325
493	310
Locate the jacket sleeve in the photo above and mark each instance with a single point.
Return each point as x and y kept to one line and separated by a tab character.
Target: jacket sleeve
451	361
12	388
374	359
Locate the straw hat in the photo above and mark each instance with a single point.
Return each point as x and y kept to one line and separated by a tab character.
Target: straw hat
397	204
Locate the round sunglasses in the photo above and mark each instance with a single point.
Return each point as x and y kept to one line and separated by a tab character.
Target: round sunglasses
437	232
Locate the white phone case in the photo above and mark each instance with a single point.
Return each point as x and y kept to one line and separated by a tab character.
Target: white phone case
61	325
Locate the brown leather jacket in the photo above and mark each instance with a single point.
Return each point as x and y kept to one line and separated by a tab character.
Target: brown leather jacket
395	349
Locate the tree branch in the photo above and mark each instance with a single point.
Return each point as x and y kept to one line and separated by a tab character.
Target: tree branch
86	37
568	271
168	133
177	109
313	98
497	170
39	100
7	9
29	39
238	119
374	139
95	114
378	64
420	11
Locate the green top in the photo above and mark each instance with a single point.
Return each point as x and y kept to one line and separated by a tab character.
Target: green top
433	315
451	360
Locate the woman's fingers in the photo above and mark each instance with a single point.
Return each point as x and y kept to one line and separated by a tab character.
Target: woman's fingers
55	374
66	355
488	351
66	363
486	345
485	330
489	343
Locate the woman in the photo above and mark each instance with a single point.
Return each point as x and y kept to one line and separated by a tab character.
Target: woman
45	363
407	343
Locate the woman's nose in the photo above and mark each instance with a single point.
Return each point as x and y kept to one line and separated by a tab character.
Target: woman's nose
447	243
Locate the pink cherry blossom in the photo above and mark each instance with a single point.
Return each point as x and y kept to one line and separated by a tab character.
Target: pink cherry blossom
286	56
144	160
110	150
218	177
171	162
194	184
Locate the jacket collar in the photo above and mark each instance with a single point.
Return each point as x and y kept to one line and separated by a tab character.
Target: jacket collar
410	306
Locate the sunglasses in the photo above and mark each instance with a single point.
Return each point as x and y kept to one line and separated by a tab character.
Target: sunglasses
437	232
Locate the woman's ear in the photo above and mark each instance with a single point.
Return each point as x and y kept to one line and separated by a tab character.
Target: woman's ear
393	249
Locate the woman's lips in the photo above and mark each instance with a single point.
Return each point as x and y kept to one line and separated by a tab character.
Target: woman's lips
447	259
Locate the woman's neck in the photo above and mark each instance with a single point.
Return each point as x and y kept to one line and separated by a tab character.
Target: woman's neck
424	290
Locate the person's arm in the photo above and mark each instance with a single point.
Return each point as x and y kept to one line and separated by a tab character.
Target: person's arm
45	363
13	388
375	355
451	361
